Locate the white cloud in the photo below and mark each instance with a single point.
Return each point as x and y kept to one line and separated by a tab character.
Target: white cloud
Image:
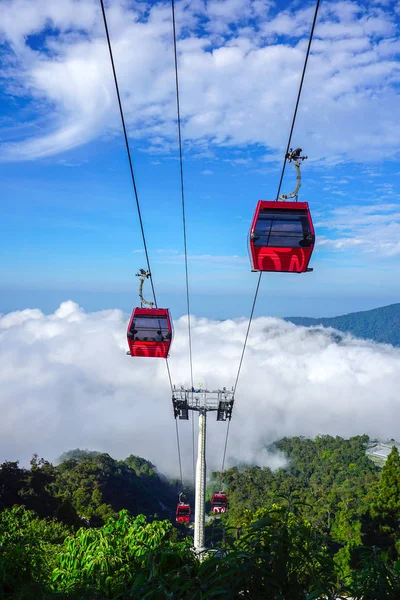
20	18
229	10
371	229
66	382
238	79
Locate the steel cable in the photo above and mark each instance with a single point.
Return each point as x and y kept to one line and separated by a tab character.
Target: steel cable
134	188
277	196
127	145
298	95
178	110
179	453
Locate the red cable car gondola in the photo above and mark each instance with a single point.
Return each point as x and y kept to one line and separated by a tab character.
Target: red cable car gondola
281	237
183	511
150	329
282	234
219	502
150	332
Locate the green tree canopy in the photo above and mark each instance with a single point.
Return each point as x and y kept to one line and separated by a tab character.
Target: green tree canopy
388	501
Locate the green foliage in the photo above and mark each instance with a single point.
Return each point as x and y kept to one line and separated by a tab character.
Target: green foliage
329	482
28	552
87	485
326	526
388	501
284	556
141	466
106	561
380	525
328	477
375	578
101	486
34	488
77	454
277	556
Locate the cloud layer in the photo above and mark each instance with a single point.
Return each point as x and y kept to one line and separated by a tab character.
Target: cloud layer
240	63
66	382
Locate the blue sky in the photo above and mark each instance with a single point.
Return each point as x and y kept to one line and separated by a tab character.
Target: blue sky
69	228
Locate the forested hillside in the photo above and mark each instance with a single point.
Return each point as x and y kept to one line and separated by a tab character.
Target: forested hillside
87	485
326	526
380	324
330	478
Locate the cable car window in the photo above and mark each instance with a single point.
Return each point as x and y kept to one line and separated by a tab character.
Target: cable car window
219	501
150	328
183	512
282	229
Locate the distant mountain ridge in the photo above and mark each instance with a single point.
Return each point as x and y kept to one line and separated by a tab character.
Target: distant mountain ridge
379	324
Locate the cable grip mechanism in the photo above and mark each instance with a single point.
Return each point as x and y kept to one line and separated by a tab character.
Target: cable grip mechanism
295	156
143	275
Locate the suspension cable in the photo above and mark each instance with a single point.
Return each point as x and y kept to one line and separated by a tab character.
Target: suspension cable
178	446
169	374
277	196
179	453
182	191
247	332
225	447
178	110
127	145
298	95
134	188
239	369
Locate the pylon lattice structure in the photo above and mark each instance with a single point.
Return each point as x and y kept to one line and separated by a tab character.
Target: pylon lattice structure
186	399
202	401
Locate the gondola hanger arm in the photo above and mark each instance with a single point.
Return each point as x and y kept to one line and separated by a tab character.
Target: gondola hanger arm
295	156
142	276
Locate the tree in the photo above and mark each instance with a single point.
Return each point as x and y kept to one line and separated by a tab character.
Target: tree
388	501
77	454
141	466
381	526
28	552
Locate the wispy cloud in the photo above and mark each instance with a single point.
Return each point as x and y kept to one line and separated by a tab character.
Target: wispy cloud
71	164
372	229
228	51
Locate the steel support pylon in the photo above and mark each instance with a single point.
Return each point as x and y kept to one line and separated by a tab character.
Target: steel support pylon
200	495
201	401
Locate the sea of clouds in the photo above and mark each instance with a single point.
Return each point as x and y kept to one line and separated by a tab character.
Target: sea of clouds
66	382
